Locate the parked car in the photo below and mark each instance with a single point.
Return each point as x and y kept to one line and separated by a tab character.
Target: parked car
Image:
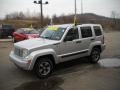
41	30
59	44
6	30
25	33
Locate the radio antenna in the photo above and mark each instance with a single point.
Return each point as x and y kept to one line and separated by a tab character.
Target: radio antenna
75	19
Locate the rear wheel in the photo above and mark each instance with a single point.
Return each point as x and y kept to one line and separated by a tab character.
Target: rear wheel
44	67
13	39
95	55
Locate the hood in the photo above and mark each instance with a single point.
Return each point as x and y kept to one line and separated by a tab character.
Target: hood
34	43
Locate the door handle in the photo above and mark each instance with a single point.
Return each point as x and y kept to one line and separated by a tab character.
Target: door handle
92	39
78	41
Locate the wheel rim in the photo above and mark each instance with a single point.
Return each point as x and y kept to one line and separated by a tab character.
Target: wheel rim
95	55
44	68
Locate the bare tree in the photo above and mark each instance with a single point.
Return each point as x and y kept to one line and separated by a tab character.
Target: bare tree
15	15
113	16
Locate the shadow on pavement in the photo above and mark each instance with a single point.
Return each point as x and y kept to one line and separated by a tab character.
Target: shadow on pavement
45	84
83	65
54	81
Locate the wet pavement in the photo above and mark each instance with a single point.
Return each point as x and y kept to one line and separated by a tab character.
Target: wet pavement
73	75
45	84
110	62
81	75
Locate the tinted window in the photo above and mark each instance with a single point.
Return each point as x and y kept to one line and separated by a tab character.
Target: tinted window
86	32
74	33
97	30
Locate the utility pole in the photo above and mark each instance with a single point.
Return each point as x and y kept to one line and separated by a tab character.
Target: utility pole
75	8
41	14
81	7
41	9
75	13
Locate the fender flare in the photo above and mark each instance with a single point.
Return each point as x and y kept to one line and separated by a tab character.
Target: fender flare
93	45
40	53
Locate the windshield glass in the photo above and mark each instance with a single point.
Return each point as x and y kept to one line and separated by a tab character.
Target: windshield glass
30	31
53	33
27	31
34	32
20	31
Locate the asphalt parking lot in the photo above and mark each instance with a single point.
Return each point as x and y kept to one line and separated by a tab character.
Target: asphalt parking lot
73	75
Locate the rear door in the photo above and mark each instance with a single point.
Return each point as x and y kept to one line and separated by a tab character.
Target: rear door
98	34
86	38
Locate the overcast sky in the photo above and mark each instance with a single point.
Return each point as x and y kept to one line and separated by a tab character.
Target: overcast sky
100	7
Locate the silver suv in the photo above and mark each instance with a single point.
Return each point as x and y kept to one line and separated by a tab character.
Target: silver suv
57	44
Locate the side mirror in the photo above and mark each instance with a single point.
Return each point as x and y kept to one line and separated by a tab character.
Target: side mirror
68	38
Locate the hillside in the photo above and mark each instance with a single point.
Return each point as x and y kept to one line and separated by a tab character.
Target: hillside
108	23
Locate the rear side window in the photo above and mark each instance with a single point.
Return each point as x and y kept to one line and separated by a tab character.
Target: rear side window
97	30
86	32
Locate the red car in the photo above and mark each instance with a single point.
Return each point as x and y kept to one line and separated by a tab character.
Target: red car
25	33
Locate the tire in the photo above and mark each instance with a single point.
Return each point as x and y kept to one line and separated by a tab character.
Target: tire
43	67
95	55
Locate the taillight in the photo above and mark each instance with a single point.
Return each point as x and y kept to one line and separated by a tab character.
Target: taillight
103	41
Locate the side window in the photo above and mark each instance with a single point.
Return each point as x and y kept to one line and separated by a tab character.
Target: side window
86	32
97	30
73	33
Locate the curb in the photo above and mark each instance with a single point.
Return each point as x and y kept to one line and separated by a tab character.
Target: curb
5	40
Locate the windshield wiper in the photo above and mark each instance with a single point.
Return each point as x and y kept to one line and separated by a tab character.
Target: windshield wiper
45	37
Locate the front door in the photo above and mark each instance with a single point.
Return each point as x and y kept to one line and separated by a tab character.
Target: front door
69	46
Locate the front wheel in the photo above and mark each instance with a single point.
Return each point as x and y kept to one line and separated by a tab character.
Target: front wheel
44	67
95	55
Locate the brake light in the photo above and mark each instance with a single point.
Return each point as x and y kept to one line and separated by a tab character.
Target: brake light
103	41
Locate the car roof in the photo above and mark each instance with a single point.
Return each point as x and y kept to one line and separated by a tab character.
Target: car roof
89	25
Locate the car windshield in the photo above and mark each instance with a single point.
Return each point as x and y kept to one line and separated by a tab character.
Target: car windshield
20	31
34	32
27	31
53	33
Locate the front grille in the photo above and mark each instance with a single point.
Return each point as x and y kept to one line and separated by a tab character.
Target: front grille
18	52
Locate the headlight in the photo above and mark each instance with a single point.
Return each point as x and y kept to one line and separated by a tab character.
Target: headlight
25	52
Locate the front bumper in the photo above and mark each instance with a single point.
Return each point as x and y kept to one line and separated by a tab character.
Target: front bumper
20	62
